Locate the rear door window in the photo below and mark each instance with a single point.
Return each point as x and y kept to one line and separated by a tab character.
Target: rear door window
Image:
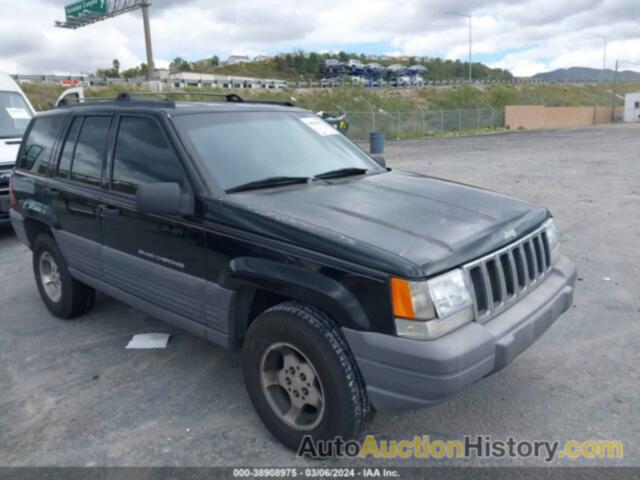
37	148
64	166
90	149
143	155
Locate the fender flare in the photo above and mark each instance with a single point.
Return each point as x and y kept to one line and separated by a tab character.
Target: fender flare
248	274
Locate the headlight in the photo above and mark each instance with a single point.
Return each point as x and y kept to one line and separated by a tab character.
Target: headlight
553	239
429	309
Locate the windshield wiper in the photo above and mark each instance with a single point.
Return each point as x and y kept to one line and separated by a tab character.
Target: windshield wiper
268	182
342	172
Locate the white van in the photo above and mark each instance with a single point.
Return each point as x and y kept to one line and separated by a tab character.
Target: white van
15	113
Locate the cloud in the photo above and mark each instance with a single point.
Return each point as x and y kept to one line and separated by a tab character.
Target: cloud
525	36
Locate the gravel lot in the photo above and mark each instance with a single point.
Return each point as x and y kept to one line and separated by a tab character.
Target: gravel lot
70	394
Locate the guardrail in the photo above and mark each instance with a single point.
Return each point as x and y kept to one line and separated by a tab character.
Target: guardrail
222	81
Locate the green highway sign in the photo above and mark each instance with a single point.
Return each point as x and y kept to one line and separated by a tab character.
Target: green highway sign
83	7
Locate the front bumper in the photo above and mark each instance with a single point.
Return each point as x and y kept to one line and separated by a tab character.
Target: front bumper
402	373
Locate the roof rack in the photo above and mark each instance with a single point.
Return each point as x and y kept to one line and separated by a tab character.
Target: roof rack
229	97
133	97
81	100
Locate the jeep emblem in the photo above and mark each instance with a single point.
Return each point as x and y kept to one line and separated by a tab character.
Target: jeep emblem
509	234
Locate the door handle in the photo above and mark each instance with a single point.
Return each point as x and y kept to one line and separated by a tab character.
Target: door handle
109	211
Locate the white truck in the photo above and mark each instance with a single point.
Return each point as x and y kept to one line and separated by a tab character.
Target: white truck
15	113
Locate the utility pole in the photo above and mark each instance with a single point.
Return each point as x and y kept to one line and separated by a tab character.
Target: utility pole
614	93
147	39
470	39
604	49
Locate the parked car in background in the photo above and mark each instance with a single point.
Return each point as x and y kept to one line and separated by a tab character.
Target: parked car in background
15	114
337	120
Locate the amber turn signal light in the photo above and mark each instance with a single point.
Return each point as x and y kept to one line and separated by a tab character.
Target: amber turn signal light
401	299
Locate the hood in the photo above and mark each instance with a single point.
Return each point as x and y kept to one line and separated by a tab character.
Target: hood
433	223
9	150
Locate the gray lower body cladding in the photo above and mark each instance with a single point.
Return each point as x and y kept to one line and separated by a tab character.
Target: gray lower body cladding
403	374
192	303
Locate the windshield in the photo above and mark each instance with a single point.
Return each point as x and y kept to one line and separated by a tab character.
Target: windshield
238	148
14	115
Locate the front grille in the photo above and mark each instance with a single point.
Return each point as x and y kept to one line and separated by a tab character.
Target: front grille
503	277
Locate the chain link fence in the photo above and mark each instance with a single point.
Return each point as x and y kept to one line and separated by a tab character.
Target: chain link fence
423	122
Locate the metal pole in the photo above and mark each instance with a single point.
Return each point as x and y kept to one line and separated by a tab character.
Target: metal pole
147	39
604	51
470	76
613	94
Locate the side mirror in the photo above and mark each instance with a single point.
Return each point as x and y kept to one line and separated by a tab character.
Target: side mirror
379	159
164	199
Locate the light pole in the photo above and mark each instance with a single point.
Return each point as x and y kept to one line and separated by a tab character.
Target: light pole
614	92
604	49
147	39
470	42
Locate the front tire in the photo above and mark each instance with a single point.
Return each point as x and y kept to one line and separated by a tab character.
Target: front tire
64	296
301	376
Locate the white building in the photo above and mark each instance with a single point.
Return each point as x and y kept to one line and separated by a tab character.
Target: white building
632	107
208	80
236	59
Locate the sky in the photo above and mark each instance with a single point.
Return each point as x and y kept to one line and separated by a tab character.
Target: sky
526	37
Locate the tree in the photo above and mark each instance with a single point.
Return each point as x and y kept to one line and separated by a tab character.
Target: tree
136	72
299	62
131	72
215	61
181	64
312	64
113	72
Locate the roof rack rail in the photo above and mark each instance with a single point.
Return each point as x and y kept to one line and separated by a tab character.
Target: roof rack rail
134	97
229	97
74	97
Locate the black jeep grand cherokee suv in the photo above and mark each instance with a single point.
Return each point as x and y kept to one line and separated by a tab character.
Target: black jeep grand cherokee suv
348	286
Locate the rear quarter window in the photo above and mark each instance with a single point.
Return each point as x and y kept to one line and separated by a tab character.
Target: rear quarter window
38	145
88	157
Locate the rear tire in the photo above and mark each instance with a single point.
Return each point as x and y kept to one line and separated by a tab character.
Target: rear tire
64	296
301	376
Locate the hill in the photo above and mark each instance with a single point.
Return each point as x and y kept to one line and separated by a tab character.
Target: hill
585	74
306	66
